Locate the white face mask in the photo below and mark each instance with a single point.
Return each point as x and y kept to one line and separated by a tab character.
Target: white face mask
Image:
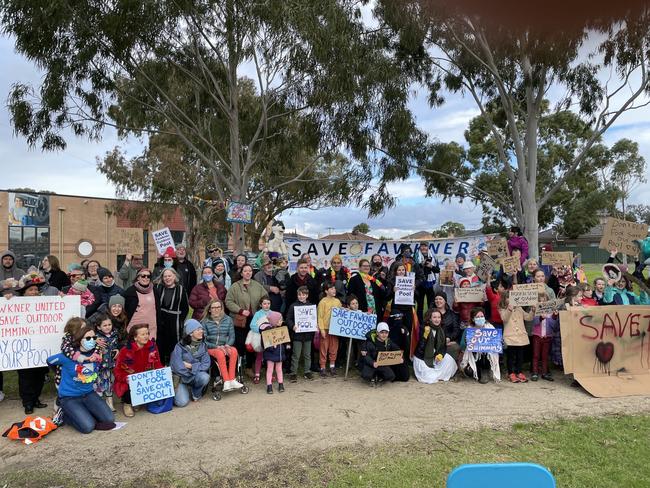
480	321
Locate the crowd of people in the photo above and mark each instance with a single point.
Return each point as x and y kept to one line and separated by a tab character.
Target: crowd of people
211	321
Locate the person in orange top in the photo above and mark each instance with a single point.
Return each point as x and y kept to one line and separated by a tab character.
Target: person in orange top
329	344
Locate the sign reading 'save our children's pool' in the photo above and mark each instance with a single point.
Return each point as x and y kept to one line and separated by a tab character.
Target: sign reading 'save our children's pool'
150	386
351	323
31	329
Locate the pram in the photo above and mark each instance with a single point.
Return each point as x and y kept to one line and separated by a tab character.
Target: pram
217	381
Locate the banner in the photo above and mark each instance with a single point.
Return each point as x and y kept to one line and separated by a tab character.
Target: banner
322	251
31	329
469	295
621	234
484	340
607	348
351	323
525	295
129	241
275	336
305	318
150	386
389	358
240	213
404	290
163	239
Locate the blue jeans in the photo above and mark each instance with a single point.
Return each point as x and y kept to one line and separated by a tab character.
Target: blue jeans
84	411
196	384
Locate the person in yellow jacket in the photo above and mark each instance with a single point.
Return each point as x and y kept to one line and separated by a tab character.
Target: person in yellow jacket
329	344
515	336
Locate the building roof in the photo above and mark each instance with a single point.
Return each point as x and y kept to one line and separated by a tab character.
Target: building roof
422	235
295	235
349	236
593	234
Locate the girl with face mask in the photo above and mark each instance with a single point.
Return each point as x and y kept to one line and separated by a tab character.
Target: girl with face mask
479	365
82	407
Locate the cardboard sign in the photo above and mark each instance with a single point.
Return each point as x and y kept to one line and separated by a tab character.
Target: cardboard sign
475	294
163	239
558	259
446	277
607	348
620	234
351	323
31	329
485	268
275	336
129	241
511	265
404	290
389	358
305	318
526	295
150	386
484	340
498	248
550	306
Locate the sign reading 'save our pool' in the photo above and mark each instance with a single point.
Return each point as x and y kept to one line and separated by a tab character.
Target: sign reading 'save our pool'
150	386
351	323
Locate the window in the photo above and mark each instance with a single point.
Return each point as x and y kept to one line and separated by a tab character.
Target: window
30	244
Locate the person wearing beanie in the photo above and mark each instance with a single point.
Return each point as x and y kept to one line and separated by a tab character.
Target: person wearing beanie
103	291
76	273
273	355
460	260
86	296
191	362
377	341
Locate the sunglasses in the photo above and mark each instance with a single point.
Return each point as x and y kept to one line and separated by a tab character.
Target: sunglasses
91	338
212	250
145	276
216	307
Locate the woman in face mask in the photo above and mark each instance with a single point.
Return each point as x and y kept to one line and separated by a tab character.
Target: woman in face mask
171	313
166	261
82	407
479	365
208	289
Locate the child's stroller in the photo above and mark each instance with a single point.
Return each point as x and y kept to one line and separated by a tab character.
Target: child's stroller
217	382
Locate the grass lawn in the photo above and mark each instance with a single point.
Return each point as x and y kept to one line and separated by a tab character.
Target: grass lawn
588	452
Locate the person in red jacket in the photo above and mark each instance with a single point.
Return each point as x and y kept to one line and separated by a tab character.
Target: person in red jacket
139	355
207	290
493	293
588	299
463	309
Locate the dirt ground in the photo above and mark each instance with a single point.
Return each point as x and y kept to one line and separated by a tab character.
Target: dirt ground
311	416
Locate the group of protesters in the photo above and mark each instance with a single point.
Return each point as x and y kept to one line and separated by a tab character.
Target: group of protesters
209	320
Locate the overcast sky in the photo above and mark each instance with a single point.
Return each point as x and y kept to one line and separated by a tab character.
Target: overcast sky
73	171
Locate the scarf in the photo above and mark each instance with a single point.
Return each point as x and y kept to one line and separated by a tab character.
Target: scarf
143	289
193	347
469	359
435	339
345	270
312	271
367	277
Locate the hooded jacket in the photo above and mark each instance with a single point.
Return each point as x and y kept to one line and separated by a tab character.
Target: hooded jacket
181	354
373	346
13	272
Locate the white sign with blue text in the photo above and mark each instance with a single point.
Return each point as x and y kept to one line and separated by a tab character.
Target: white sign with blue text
351	323
150	386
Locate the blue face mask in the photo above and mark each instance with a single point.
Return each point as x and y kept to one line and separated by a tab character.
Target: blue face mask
88	344
207	278
480	321
168	264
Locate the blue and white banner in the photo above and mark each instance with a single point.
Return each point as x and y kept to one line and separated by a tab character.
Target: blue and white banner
351	323
322	251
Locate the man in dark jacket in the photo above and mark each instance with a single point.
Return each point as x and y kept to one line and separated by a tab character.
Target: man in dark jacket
376	342
426	288
185	268
302	278
103	292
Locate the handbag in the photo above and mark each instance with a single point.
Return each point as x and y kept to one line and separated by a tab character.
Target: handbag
240	321
254	341
160	406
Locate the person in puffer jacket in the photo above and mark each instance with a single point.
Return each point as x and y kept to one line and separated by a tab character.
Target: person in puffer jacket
516	240
377	341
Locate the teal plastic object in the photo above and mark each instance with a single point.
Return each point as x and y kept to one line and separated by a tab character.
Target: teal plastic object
514	475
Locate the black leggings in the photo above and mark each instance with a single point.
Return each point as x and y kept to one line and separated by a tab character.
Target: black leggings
515	358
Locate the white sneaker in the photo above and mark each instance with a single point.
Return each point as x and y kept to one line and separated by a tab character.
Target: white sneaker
236	384
227	386
2	395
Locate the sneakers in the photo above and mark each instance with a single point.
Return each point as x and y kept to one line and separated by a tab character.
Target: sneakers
308	375
57	416
513	378
293	377
269	389
332	371
281	387
109	402
534	377
322	373
128	410
522	378
547	377
236	384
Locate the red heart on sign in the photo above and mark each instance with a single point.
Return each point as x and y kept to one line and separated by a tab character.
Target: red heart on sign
605	352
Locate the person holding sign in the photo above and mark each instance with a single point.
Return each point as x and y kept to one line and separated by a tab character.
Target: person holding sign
544	328
139	355
376	342
369	289
301	341
431	362
329	344
517	244
619	292
273	355
479	365
82	407
403	335
463	309
190	360
515	336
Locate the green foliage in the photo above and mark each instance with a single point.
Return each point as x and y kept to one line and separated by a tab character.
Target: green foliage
361	228
449	229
